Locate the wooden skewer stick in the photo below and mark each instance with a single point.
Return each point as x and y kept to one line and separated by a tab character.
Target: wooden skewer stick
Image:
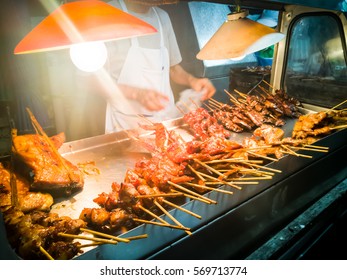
170	216
317	147
232	98
47	255
253	178
213	105
160	224
235	183
142	117
210	168
338	105
261	156
87	238
196	173
180	109
296	154
267	83
181	208
192	193
221	182
136	237
159	195
89	244
185	105
195	198
215	102
193	102
243	95
209	107
105	235
209	188
265	167
312	149
339	127
233	160
152	214
290	151
255	171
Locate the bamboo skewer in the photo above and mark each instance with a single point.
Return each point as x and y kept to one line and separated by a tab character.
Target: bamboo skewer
209	167
136	237
256	172
181	208
265	167
261	156
152	214
47	255
310	149
208	188
89	245
296	154
75	236
192	193
195	198
160	224
196	173
317	147
170	216
243	95
158	195
232	98
291	152
221	182
338	127
215	102
105	235
338	105
252	178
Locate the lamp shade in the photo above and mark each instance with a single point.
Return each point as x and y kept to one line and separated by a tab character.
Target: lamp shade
80	22
237	37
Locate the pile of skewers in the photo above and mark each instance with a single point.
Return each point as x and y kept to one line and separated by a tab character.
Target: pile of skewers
178	168
253	110
320	124
43	235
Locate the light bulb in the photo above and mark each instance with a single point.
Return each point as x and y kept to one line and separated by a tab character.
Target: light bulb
89	57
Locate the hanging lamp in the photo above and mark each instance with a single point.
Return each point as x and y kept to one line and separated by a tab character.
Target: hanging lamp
237	37
80	22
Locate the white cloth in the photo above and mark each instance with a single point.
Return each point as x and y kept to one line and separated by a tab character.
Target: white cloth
145	67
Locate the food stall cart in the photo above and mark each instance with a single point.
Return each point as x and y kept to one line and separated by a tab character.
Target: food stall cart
279	218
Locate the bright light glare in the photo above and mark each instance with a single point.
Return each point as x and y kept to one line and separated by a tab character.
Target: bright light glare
89	57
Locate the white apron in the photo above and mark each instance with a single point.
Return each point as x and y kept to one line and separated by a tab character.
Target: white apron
143	68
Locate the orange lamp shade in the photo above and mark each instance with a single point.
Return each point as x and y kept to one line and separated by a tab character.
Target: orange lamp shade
80	22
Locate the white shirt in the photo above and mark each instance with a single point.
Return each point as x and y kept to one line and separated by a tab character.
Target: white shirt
117	50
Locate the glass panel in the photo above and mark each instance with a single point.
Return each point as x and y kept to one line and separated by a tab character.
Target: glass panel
316	65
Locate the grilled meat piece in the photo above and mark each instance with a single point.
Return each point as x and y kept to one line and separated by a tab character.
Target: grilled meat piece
27	232
47	170
27	201
271	135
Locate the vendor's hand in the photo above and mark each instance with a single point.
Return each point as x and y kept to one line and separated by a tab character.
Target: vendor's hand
151	99
204	86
